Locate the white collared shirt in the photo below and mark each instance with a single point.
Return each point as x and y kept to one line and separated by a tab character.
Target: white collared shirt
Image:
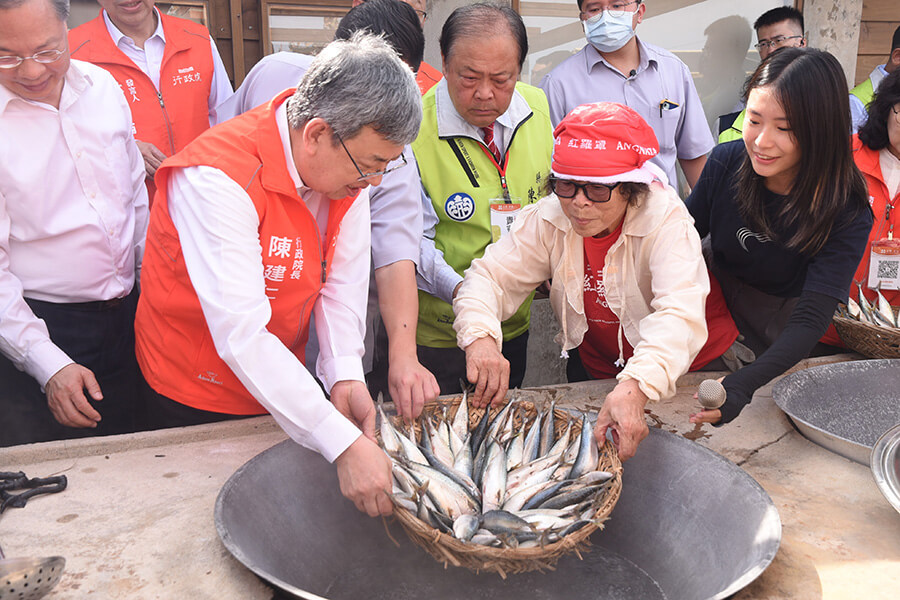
219	231
73	208
149	60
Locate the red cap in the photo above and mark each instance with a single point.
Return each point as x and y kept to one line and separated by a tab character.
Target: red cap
605	142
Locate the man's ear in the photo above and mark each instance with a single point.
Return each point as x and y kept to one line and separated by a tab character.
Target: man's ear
895	57
316	132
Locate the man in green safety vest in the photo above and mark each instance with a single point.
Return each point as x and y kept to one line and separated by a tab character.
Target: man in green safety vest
483	152
780	27
862	95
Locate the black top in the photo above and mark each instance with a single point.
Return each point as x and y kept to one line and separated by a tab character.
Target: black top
763	263
820	281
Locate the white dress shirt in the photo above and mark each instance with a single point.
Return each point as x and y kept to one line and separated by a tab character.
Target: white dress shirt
149	60
73	209
219	231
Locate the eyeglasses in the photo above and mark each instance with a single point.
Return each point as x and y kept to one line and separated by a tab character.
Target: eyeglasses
896	111
616	9
364	176
595	192
44	57
776	42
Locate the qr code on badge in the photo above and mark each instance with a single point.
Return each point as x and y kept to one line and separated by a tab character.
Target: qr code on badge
888	269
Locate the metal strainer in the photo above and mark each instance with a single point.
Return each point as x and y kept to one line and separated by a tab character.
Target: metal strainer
29	578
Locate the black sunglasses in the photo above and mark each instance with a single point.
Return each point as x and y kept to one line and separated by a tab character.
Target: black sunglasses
595	192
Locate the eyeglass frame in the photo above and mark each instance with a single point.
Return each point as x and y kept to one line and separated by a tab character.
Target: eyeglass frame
365	176
583	187
36	57
615	13
776	41
896	112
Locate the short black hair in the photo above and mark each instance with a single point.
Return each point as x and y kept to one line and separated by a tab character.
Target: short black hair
777	15
395	20
581	3
481	19
895	41
874	133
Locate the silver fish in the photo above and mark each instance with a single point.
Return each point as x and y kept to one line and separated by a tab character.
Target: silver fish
588	455
461	418
465	526
884	307
493	488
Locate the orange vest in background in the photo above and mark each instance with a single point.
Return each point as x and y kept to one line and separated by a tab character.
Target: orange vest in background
427	76
179	112
868	162
173	344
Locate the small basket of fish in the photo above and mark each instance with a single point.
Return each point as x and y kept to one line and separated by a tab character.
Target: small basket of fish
506	490
872	329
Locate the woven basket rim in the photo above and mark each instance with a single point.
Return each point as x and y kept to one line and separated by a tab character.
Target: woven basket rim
447	549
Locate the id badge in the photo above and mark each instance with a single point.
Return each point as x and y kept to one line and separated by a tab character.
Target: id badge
503	215
884	264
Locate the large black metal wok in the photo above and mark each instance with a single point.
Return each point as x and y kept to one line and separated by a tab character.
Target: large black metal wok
689	525
844	407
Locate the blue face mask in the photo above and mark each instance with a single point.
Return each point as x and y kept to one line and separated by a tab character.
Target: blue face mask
607	33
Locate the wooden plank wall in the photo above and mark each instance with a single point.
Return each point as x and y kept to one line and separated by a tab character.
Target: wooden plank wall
247	48
879	20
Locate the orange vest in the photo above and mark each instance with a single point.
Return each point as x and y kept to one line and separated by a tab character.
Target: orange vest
179	112
173	344
427	76
867	161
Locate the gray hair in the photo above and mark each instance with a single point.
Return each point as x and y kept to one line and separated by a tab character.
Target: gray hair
61	7
356	83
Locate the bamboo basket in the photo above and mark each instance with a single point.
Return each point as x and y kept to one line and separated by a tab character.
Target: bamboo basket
504	561
867	339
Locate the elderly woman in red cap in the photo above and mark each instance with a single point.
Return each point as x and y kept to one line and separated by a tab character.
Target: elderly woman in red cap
628	277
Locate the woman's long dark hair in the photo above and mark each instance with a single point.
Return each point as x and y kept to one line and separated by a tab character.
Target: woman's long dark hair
811	88
874	132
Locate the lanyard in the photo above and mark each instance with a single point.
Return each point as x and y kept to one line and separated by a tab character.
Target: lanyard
500	169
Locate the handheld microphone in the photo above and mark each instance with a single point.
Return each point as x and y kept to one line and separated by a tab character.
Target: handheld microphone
711	394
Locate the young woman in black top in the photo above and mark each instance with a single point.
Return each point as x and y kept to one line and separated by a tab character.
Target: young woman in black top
787	216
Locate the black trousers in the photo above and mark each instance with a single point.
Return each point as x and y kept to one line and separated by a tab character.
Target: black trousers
163	412
96	335
449	364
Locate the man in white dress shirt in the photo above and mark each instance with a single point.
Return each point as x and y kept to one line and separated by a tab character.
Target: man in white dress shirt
73	215
259	223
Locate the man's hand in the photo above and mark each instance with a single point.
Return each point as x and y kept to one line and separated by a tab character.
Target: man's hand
623	411
352	400
411	386
364	472
152	155
488	370
65	396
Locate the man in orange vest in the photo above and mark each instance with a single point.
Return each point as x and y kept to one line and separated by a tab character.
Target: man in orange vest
259	223
167	67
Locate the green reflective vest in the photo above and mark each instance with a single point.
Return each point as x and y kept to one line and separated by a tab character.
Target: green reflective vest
865	92
462	183
736	131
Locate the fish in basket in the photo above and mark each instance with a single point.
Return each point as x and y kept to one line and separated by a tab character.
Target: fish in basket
872	329
505	490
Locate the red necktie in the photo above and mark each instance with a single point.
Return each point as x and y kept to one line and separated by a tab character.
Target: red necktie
489	141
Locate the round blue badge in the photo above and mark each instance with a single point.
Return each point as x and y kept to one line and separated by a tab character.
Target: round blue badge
460	207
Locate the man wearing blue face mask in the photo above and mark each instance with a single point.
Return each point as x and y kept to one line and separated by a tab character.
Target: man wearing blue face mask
615	66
